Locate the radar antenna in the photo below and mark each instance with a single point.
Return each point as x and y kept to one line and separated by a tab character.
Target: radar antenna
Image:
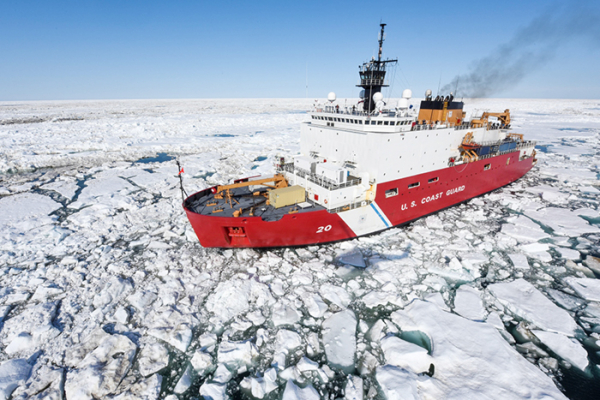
372	75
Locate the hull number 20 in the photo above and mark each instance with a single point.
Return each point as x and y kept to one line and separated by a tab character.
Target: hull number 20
324	229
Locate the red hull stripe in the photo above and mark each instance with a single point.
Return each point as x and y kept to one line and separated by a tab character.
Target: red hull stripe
452	186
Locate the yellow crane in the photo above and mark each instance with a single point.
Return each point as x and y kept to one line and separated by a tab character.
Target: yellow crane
503	117
278	181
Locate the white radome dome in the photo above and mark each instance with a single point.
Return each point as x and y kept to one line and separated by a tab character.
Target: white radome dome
403	103
331	96
377	97
407	94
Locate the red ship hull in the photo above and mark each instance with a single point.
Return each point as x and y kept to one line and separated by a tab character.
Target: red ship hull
453	185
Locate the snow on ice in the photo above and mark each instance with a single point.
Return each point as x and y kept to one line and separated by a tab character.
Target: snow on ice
106	293
525	301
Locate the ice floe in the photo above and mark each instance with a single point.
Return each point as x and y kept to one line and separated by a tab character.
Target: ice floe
523	300
339	339
588	288
566	348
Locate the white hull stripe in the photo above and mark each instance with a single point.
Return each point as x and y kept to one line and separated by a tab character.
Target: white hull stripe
381	215
365	220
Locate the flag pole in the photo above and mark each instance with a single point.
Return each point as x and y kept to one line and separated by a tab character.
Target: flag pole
183	192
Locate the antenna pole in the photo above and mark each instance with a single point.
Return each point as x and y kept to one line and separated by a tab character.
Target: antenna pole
380	42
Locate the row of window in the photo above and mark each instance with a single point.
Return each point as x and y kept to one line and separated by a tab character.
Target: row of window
360	121
394	192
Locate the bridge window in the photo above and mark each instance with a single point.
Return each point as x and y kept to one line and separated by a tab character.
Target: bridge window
379	122
386	123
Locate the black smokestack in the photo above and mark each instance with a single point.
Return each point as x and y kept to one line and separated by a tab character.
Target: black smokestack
531	48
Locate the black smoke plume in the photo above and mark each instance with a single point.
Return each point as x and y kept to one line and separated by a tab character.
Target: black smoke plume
531	48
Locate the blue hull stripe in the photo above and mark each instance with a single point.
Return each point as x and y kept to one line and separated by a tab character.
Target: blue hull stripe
380	216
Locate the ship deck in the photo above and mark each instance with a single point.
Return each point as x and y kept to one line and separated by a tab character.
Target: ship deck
205	203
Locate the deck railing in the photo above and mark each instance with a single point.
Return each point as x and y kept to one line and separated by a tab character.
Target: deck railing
319	180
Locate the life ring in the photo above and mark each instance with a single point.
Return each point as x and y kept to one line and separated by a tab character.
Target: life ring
325	201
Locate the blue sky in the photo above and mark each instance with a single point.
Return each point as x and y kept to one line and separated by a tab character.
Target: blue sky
55	50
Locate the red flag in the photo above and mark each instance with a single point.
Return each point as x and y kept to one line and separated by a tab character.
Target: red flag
180	172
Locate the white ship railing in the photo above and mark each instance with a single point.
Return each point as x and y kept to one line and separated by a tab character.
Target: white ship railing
351	206
321	181
349	111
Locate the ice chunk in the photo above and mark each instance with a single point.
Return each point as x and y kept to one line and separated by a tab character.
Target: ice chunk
524	230
25	332
222	374
285	342
229	299
101	371
285	315
264	385
42	293
111	291
525	301
377	298
142	300
354	388
12	374
293	392
45	382
26	210
335	295
185	381
202	362
397	383
566	348
538	250
494	320
467	303
153	358
339	339
568	254
121	315
306	364
207	340
593	263
588	288
563	221
494	368
146	389
237	354
589	189
437	299
213	391
403	354
315	305
519	261
565	300
172	327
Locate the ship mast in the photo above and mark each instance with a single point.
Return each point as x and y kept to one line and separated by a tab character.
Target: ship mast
372	76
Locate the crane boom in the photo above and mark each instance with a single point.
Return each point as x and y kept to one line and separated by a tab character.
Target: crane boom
278	180
503	117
